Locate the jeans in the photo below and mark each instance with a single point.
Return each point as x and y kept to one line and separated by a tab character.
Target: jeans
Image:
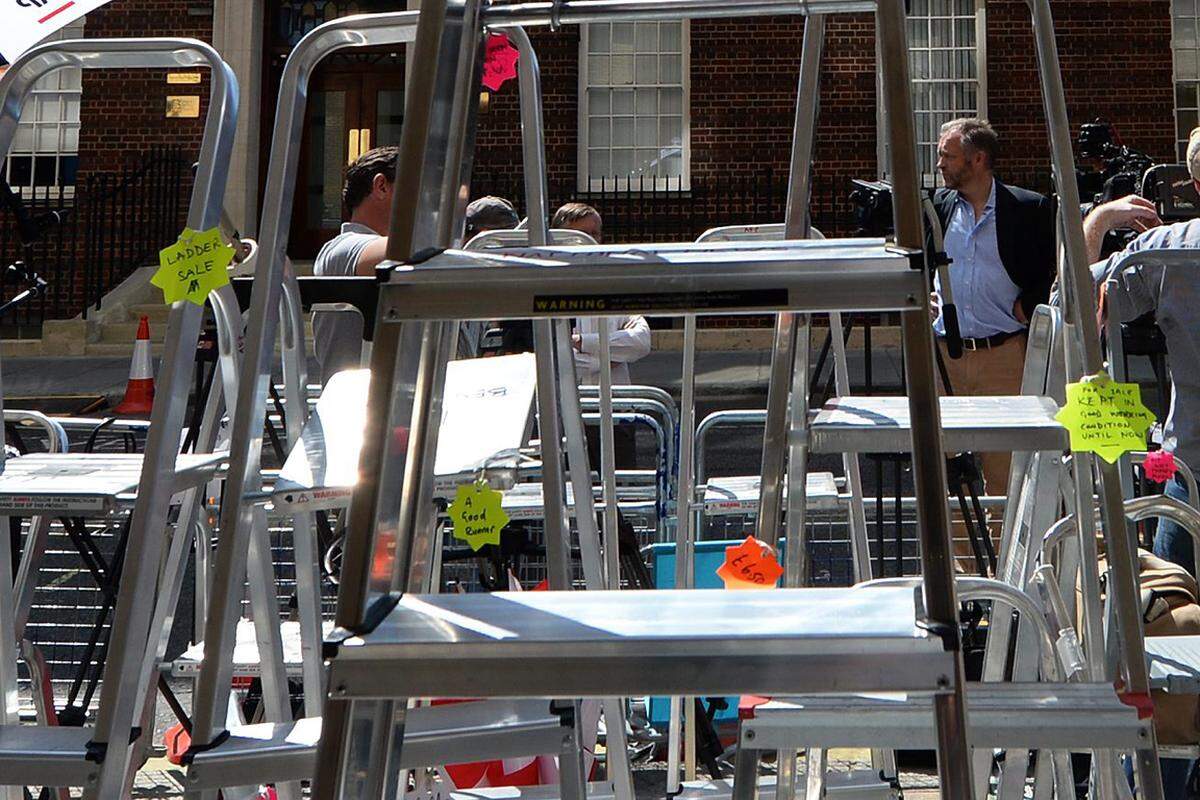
1175	774
1172	542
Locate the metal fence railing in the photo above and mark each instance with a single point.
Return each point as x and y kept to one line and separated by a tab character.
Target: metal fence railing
87	242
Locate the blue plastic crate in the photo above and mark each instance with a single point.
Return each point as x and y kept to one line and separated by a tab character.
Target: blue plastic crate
709	557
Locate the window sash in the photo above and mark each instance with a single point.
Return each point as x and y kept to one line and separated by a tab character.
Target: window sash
1185	54
45	150
947	65
634	104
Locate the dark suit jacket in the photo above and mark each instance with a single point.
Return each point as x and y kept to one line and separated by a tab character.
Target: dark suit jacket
1025	228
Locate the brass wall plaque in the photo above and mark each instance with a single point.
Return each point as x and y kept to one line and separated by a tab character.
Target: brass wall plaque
183	106
183	77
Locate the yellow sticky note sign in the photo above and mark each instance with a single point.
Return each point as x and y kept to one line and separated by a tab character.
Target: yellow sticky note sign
194	266
477	514
1105	417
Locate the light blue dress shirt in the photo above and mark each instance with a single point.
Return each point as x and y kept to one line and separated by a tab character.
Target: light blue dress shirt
983	292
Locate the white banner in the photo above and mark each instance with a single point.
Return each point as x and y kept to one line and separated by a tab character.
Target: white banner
24	23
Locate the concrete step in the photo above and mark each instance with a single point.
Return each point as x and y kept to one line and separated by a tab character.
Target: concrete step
157	312
126	332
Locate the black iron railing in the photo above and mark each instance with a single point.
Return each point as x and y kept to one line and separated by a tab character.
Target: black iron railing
90	237
645	209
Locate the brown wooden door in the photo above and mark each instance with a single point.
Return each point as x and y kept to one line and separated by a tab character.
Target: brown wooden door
348	114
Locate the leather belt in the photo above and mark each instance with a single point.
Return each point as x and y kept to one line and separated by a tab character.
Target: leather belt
987	342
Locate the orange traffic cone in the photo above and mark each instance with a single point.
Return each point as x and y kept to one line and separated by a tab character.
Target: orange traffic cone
139	391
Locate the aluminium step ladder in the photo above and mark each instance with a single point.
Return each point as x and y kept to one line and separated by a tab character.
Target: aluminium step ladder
511	639
285	752
82	756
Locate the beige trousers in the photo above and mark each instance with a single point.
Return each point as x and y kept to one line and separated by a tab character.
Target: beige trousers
989	371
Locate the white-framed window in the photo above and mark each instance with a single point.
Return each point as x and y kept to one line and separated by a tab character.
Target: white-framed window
634	106
45	151
947	64
1185	48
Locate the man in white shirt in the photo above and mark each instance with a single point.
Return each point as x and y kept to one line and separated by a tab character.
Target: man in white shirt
628	337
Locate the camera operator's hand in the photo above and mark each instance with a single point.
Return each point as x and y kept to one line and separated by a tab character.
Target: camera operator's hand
1127	212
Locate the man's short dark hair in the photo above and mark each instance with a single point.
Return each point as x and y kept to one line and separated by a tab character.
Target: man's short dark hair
360	175
571	213
490	213
977	135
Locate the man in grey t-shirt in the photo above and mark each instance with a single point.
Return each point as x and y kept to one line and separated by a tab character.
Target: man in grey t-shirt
357	250
1173	294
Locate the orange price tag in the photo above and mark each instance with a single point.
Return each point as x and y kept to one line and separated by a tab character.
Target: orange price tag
750	565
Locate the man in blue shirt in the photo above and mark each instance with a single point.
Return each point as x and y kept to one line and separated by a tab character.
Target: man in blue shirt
1001	243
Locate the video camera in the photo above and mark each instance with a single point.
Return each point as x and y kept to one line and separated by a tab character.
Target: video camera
1124	171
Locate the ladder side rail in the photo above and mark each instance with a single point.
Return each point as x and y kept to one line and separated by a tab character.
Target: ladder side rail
1079	311
687	525
566	401
174	567
9	646
119	700
267	295
305	548
449	160
431	150
608	462
557	528
1115	359
929	466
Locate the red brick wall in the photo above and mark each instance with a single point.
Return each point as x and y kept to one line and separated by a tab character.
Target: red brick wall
1116	64
123	111
1115	57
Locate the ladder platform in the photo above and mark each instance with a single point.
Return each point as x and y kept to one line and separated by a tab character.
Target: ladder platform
77	483
851	785
45	756
486	414
246	661
706	278
524	501
1024	715
739	494
607	643
978	424
433	735
1174	663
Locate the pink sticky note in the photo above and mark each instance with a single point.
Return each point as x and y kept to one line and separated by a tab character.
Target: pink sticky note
1159	466
499	62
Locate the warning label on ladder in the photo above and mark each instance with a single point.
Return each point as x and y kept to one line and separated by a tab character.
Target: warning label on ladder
27	22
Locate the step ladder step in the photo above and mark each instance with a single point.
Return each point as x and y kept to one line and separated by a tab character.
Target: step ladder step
246	660
858	274
851	785
979	424
739	494
1174	663
433	735
34	755
1027	715
88	482
609	644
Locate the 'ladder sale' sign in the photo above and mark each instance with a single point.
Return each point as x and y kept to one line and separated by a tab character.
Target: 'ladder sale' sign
24	23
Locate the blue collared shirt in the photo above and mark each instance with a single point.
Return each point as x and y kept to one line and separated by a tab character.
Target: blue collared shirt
983	292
